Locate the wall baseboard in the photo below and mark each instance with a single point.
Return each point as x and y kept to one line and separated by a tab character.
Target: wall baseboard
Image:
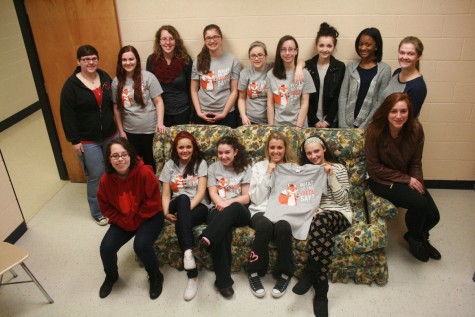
20	115
17	233
450	184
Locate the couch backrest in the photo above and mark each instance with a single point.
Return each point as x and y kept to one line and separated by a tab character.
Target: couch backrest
347	145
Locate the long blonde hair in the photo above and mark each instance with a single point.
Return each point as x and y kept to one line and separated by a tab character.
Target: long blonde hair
290	156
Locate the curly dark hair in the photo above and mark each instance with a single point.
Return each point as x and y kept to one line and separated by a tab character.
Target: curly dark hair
180	49
134	159
192	167
241	160
327	155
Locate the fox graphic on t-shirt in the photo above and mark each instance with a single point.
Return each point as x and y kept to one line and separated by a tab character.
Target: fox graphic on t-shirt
281	96
208	81
178	184
289	196
126	99
253	90
222	183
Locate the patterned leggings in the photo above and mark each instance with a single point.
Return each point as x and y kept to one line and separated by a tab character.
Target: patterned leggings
324	227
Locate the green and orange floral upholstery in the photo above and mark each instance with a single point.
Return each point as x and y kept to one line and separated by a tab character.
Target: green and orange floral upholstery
359	252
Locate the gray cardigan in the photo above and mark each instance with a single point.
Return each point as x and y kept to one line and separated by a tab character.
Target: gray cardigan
349	94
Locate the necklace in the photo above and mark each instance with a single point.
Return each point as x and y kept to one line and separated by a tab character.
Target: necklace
88	80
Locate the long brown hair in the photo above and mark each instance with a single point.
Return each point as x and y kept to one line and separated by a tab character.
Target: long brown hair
279	68
196	157
122	77
378	129
204	57
180	49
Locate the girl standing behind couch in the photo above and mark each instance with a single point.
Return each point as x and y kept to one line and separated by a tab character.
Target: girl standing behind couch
364	81
214	81
171	64
184	179
287	101
252	102
408	78
129	195
333	217
327	73
228	185
138	106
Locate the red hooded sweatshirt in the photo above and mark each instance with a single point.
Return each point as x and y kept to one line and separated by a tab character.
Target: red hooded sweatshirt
129	202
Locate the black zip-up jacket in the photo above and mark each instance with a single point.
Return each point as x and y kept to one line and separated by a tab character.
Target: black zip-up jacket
82	118
331	90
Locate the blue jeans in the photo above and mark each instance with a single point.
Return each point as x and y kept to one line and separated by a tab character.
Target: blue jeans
92	161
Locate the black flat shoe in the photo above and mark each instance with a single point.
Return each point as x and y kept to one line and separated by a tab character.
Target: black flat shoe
106	287
417	247
156	285
227	292
432	252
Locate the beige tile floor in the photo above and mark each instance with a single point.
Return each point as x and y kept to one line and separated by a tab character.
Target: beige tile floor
64	243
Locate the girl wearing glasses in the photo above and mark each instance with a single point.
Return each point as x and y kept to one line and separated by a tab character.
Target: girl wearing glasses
364	81
214	82
184	179
138	106
327	73
252	102
129	195
88	119
287	101
171	64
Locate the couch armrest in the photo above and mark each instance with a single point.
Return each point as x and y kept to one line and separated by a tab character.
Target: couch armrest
379	209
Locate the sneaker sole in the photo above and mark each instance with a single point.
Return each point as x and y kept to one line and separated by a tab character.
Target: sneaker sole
259	295
278	295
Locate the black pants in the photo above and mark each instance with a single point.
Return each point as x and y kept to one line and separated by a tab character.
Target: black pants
145	237
185	117
220	233
422	214
186	219
266	231
230	120
143	144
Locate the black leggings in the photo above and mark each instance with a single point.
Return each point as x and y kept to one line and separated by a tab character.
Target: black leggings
266	231
143	144
422	214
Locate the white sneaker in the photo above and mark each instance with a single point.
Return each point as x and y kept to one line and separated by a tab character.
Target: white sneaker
189	260
101	221
191	288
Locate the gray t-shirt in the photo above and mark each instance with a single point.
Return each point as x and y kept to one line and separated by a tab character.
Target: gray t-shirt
253	82
173	175
287	96
136	118
295	195
215	86
227	181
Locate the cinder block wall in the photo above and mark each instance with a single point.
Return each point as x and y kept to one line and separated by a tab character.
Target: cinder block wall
447	29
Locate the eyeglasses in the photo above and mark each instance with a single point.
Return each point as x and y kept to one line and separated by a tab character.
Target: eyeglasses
116	156
89	59
290	50
256	56
167	39
212	38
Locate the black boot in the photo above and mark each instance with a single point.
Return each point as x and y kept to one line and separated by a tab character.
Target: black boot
417	247
320	301
431	251
308	278
156	284
106	287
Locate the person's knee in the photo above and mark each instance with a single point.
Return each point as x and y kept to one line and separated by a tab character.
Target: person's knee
282	227
182	204
262	225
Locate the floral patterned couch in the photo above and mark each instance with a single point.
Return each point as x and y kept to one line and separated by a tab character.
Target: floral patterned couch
359	252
